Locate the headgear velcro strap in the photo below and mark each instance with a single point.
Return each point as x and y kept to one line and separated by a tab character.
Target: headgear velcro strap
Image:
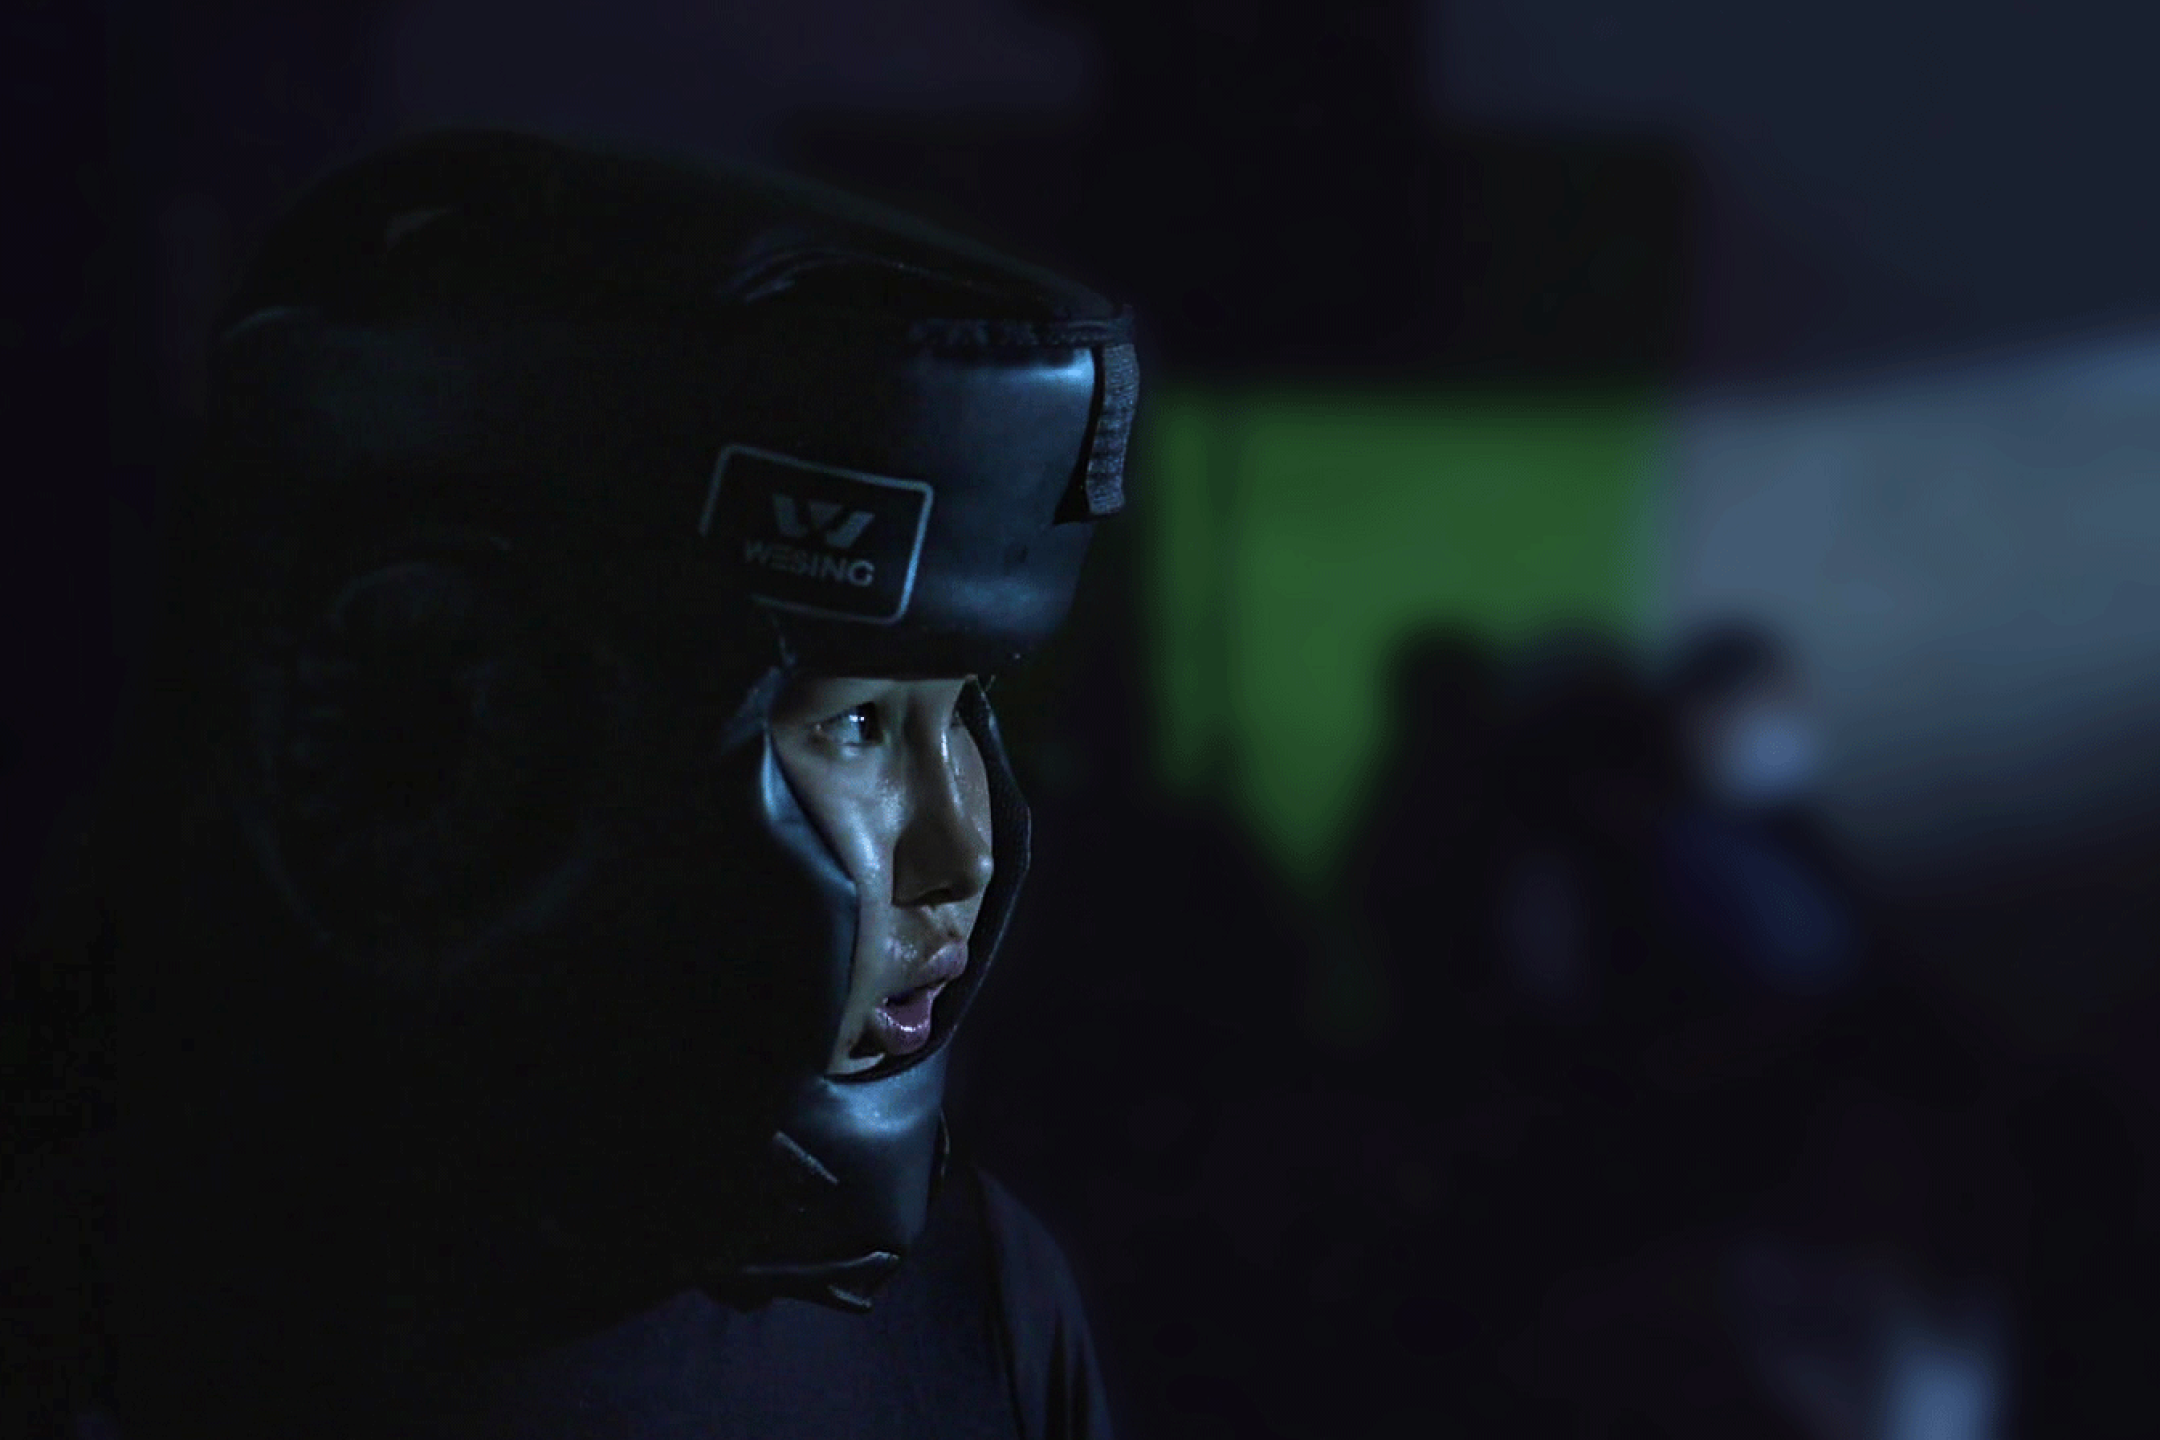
1117	393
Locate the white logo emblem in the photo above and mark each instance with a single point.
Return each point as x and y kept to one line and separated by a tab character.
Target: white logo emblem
822	514
821	540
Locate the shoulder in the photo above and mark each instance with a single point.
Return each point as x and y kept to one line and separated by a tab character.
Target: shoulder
1028	1256
1056	1378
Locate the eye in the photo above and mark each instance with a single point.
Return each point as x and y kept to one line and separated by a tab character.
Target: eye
857	726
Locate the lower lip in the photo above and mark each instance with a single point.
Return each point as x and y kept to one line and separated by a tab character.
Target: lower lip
903	1024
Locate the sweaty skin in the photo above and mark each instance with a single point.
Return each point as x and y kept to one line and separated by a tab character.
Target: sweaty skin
888	772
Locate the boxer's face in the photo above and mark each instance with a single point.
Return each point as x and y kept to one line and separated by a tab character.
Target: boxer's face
892	778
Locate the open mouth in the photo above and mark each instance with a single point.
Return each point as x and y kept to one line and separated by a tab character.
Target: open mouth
904	1020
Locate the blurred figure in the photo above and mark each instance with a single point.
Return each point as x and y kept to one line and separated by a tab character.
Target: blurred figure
1650	1022
1584	981
1742	712
1505	882
1757	889
1586	777
1417	869
1808	1230
1401	1318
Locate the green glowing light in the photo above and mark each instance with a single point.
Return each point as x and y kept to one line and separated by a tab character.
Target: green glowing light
1293	538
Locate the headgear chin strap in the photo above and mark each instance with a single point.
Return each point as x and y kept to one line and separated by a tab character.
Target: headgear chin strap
708	429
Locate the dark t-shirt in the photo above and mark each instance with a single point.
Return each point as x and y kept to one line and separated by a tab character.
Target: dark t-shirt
980	1336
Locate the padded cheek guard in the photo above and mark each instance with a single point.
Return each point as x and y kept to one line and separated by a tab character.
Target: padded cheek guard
855	1164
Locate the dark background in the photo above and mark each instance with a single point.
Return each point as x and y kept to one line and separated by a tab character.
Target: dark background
1738	207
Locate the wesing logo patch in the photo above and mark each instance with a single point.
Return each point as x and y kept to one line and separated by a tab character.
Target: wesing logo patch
816	539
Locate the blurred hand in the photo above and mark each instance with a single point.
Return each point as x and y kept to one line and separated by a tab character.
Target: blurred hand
1854	1349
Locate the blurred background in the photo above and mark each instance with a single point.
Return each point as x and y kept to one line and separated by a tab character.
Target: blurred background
1600	815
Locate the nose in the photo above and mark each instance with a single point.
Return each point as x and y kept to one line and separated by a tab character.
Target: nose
944	852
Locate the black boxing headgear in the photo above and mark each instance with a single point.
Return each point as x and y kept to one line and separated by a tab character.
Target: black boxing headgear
530	471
